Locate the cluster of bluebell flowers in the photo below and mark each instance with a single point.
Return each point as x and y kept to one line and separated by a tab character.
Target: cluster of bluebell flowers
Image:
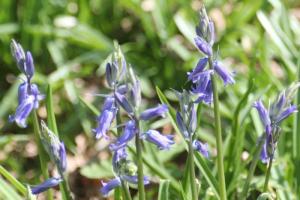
271	118
187	121
28	93
200	76
126	94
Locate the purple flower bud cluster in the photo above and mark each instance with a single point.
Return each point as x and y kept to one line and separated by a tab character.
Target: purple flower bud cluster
126	94
186	120
271	119
54	147
201	77
28	93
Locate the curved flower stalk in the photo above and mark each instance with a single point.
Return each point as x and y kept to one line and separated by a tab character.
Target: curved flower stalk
126	94
271	119
28	93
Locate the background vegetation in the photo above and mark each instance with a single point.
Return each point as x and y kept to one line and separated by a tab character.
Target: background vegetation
70	41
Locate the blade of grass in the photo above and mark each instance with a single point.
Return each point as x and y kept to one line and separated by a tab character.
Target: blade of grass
163	192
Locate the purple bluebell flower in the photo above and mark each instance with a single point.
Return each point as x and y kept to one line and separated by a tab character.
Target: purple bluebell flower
29	66
134	179
203	46
223	73
264	155
49	183
161	141
111	74
204	91
104	120
264	115
62	158
154	112
123	102
285	113
128	134
23	111
192	119
112	184
109	103
201	147
18	54
118	156
198	70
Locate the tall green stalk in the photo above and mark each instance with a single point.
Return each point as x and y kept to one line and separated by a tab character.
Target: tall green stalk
138	144
218	133
268	174
252	168
192	170
41	151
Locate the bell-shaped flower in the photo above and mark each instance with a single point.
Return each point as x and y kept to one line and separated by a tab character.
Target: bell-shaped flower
104	120
203	46
154	112
285	113
128	134
264	115
112	184
201	147
49	183
198	70
134	179
226	76
161	141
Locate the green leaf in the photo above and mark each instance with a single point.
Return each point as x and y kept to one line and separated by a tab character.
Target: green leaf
7	192
163	193
97	170
50	111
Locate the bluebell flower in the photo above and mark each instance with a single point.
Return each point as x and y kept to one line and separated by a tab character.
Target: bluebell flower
181	125
203	46
271	119
118	156
154	112
54	147
223	73
161	141
134	179
112	184
128	134
104	120
264	115
202	148
49	183
197	71
28	93
124	103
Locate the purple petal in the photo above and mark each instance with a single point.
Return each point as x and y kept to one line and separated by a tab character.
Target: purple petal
107	187
203	46
223	73
104	121
181	125
134	179
264	157
263	113
62	158
29	66
49	183
161	141
154	112
23	111
128	134
122	101
201	147
109	103
286	113
194	75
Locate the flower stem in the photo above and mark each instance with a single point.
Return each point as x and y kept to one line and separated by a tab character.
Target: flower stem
41	151
192	170
126	192
138	144
252	168
218	135
125	188
268	174
19	186
65	188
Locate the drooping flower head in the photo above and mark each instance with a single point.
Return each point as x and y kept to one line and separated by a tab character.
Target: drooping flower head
271	118
28	93
49	183
161	141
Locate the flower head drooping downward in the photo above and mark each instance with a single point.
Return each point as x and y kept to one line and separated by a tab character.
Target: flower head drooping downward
271	118
28	93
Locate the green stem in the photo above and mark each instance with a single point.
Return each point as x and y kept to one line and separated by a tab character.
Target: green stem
268	174
218	135
192	170
65	188
252	168
138	144
19	186
126	192
42	153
